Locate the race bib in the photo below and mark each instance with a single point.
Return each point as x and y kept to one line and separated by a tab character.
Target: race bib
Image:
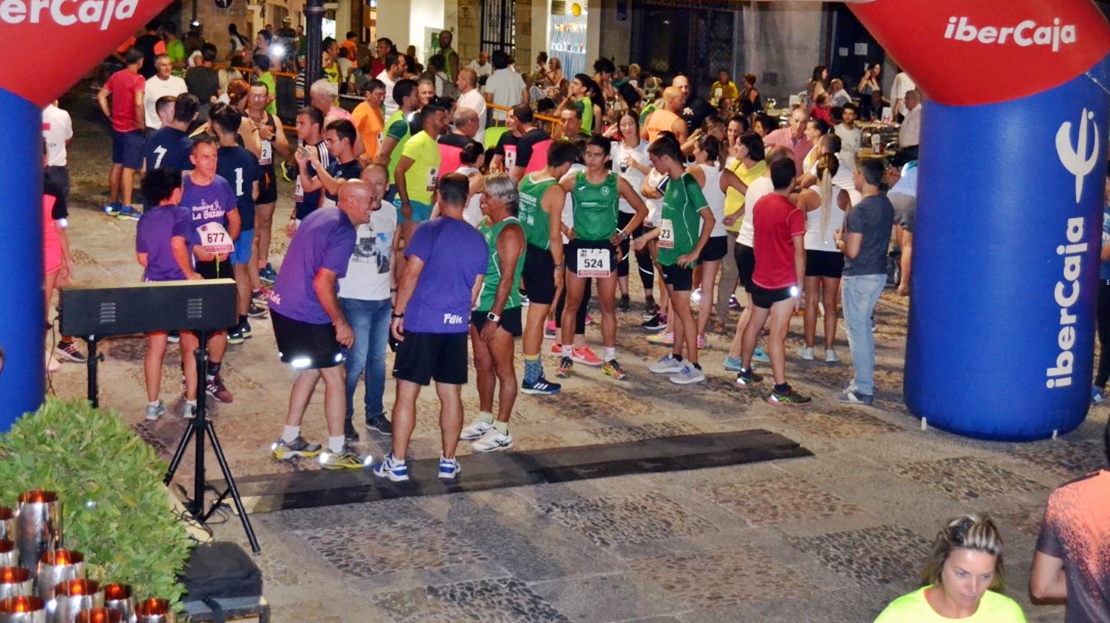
298	191
433	179
510	158
267	156
215	239
666	234
593	263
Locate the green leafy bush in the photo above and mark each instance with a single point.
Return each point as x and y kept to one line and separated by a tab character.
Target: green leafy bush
115	508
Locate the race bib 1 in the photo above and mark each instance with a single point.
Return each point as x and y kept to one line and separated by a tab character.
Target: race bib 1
593	263
215	239
267	156
433	179
666	234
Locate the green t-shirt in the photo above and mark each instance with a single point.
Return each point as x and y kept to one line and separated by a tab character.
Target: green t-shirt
914	608
423	175
267	79
397	128
536	222
681	205
595	208
585	108
493	268
645	113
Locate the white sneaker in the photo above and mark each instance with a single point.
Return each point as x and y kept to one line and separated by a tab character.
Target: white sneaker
806	353
493	441
53	365
687	375
666	365
475	430
831	356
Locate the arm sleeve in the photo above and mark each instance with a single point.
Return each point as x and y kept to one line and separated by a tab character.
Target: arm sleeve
523	153
421	245
140	236
694	193
340	247
854	221
1048	541
796	221
397	129
182	223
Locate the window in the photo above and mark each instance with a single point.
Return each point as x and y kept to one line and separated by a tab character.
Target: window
499	25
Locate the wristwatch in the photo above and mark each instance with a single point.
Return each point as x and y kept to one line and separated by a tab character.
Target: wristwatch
492	317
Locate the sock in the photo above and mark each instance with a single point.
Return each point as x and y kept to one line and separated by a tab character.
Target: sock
610	353
698	366
154	403
213	369
242	319
567	348
336	444
782	388
676	357
486	417
502	427
291	433
533	368
193	403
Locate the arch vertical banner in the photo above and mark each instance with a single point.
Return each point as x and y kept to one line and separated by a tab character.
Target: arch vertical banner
81	33
1009	209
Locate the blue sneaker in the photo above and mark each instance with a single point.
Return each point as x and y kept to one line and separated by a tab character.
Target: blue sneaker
113	209
268	275
733	365
1096	395
127	213
448	468
760	355
395	470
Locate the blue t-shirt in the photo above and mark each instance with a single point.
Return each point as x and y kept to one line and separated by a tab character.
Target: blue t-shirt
168	148
454	255
240	168
207	204
325	239
154	235
1104	267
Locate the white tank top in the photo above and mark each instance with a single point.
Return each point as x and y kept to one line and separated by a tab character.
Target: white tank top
715	198
814	239
473	212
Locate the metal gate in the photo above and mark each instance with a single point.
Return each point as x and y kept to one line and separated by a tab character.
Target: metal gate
499	26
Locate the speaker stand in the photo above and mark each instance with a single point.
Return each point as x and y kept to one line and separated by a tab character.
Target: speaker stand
91	363
198	427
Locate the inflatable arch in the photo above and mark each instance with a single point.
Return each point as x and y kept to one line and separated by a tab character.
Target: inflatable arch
1001	325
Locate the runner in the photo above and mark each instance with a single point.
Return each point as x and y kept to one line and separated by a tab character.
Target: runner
274	142
631	162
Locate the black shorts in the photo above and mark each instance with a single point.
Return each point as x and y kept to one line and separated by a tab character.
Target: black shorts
267	186
307	346
539	275
510	321
824	264
215	270
715	248
127	149
424	357
764	299
680	279
745	264
570	253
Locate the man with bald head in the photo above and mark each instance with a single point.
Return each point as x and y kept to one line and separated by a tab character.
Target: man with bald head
694	108
311	330
456	139
667	117
472	99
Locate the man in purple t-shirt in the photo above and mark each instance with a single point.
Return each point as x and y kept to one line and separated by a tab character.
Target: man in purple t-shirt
160	246
311	331
446	260
213	206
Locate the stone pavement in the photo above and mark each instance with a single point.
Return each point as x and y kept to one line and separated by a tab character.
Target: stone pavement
832	537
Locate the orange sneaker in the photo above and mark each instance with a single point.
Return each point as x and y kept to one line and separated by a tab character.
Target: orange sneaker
586	357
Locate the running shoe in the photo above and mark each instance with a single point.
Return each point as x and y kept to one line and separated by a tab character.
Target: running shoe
235	336
256	311
651	308
687	375
268	275
666	365
695	296
557	349
806	353
53	365
283	450
475	430
733	365
245	329
747	378
153	412
665	338
524	302
261	297
734	303
190	411
761	355
69	352
854	397
391	468
127	213
1096	395
380	425
589	320
624	304
346	459
549	331
493	441
563	371
349	432
448	468
541	387
655	323
702	342
831	356
586	357
216	389
173	337
787	398
613	369
113	209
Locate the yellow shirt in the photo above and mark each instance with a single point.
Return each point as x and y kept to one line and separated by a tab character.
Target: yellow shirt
728	90
734	200
422	176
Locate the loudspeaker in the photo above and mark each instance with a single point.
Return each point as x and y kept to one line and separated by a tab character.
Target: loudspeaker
145	307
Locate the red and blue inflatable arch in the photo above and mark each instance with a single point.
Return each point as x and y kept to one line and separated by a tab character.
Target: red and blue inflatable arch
1013	152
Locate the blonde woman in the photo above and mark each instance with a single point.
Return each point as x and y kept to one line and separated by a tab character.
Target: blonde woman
824	205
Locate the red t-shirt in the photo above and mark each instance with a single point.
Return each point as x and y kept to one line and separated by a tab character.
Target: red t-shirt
777	222
123	85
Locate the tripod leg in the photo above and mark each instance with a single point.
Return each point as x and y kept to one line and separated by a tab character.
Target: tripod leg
179	454
222	460
90	362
